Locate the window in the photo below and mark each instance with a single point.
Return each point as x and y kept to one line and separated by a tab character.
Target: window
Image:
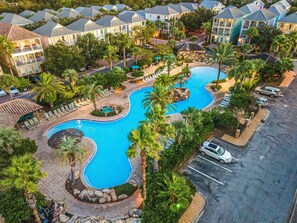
63	38
29	70
36	69
290	26
158	17
246	24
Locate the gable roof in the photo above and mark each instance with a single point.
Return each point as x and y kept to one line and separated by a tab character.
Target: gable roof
141	13
68	13
109	7
27	13
283	3
189	5
84	25
15	33
79	9
292	18
261	15
277	10
259	3
97	7
42	15
208	4
109	21
131	17
50	11
16	20
161	10
121	6
89	12
249	8
265	57
179	8
189	46
231	12
52	29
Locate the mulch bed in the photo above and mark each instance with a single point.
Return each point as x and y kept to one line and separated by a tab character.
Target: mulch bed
78	185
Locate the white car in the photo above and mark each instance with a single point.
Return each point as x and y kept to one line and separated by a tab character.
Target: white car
271	91
262	101
2	93
215	151
14	90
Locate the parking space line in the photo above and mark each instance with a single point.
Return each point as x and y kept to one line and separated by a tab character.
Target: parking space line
215	163
219	182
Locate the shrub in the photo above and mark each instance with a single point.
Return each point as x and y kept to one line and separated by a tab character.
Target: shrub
137	73
241	101
216	88
126	188
99	113
27	146
220	81
22	83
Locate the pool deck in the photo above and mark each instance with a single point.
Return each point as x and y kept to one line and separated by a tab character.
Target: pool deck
53	185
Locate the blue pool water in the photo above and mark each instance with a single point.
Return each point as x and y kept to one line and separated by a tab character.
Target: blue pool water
110	166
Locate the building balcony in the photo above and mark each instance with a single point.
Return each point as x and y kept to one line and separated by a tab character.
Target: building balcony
40	59
27	49
21	63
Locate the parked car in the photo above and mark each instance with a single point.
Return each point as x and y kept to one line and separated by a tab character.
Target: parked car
34	79
14	90
215	151
267	90
2	93
262	101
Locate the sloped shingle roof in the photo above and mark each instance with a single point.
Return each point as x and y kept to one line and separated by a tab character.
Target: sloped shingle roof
179	8
209	4
121	6
84	25
53	29
188	46
265	57
283	3
50	11
19	107
16	20
189	5
109	21
42	15
131	17
292	18
90	12
161	10
79	9
15	33
249	8
231	12
261	15
277	10
68	13
109	7
27	13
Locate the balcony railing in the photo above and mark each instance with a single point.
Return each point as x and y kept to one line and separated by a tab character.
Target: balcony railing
20	63
17	50
27	49
36	47
40	59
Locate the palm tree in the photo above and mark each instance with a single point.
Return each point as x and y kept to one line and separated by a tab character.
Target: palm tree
245	49
6	49
125	42
71	76
143	139
6	82
252	32
48	88
91	90
110	54
207	26
169	59
183	132
222	54
24	173
293	40
70	152
175	192
159	96
281	45
137	52
164	80
9	138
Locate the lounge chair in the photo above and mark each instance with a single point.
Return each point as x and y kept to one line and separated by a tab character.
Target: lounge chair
64	110
67	108
48	117
60	111
77	103
28	126
50	113
32	123
36	121
72	106
111	89
56	113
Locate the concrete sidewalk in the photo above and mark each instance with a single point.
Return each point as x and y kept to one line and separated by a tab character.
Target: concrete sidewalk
248	132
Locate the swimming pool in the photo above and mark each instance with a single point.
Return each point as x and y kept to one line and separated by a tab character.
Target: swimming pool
110	166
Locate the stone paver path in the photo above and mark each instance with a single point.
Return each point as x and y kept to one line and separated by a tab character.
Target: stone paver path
194	210
248	132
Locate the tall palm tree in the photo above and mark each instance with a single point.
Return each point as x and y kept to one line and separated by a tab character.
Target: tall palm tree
183	132
6	49
207	26
175	192
9	138
169	59
245	49
48	88
6	82
159	96
143	139
24	173
71	76
125	42
137	52
164	80
110	54
222	54
91	90
69	151
251	33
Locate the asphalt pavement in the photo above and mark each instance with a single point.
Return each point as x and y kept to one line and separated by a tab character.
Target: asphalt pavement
259	185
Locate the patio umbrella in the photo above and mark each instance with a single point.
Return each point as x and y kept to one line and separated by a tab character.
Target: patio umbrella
157	57
135	67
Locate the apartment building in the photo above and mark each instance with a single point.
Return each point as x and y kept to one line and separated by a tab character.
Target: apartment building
215	6
113	24
279	11
88	26
260	18
132	19
226	25
53	32
27	57
288	24
284	4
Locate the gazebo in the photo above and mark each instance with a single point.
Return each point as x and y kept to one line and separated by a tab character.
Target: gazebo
191	52
12	111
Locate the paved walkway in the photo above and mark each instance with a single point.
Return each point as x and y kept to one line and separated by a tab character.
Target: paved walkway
289	77
248	132
195	210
